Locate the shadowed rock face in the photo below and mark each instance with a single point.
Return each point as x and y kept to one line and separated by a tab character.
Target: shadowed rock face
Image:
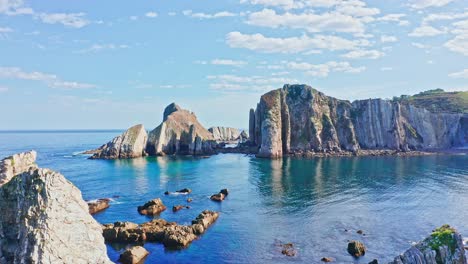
179	133
298	119
131	144
44	218
443	246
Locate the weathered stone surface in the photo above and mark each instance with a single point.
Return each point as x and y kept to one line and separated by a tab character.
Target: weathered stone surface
133	255
131	144
152	207
44	218
225	134
170	234
180	133
16	164
299	119
356	248
443	246
98	205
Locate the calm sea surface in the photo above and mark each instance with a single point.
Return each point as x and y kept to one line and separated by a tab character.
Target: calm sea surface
309	202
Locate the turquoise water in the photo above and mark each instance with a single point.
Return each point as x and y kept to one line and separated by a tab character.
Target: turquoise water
309	202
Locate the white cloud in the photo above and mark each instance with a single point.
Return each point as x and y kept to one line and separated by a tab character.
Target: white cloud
235	63
394	18
151	14
171	13
309	21
323	70
356	8
100	47
3	89
231	83
75	20
420	4
458	44
133	18
426	31
363	54
386	69
460	74
419	45
443	16
50	80
258	42
385	39
5	30
208	16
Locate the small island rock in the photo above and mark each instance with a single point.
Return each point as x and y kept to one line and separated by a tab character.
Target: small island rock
134	255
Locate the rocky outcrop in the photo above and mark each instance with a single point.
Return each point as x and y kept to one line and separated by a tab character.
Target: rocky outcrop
131	144
134	255
152	207
299	119
180	133
44	218
356	248
170	234
443	246
96	206
225	134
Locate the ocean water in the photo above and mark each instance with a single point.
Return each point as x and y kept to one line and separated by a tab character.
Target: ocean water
309	202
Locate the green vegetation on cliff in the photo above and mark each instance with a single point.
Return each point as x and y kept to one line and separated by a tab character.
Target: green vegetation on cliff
438	101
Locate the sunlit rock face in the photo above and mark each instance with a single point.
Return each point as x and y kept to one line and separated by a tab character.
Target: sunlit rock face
131	144
225	134
298	118
180	133
44	218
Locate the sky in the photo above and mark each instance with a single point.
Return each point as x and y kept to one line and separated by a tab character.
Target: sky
112	64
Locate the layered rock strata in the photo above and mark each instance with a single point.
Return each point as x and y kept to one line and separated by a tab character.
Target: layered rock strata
131	144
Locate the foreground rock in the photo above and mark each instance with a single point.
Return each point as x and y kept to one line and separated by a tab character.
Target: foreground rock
170	234
44	218
225	134
180	133
444	246
298	119
219	197
99	205
131	144
152	207
133	255
356	248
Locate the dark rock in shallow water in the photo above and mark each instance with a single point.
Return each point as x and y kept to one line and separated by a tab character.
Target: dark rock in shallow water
288	250
374	262
217	197
99	205
326	259
443	246
177	208
224	191
189	200
356	248
152	207
133	255
185	191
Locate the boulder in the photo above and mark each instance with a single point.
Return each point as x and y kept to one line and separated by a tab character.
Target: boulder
326	259
180	133
374	261
443	246
131	144
123	232
288	250
224	191
177	208
219	197
44	218
185	191
356	248
133	255
96	206
152	207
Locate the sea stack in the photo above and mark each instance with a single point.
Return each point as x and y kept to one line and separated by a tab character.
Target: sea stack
131	144
44	219
180	133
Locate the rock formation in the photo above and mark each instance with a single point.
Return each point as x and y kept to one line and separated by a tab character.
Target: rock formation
180	133
443	246
299	119
152	207
134	255
96	206
131	144
225	134
44	218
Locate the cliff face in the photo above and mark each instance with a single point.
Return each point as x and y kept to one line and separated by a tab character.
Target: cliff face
179	133
223	134
298	119
44	218
131	144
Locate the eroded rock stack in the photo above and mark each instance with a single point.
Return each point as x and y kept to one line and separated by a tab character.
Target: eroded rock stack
299	119
443	246
131	144
180	133
44	218
225	134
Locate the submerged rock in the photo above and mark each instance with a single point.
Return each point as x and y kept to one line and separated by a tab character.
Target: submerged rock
99	205
177	208
180	133
288	250
131	144
443	246
134	255
356	248
152	207
44	218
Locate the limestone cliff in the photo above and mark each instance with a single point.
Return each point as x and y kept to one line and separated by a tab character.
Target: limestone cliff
44	218
179	133
223	134
131	144
300	119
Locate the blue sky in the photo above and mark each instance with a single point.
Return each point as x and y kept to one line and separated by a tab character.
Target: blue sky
110	64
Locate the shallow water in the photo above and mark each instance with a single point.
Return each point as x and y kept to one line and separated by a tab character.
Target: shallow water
309	202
